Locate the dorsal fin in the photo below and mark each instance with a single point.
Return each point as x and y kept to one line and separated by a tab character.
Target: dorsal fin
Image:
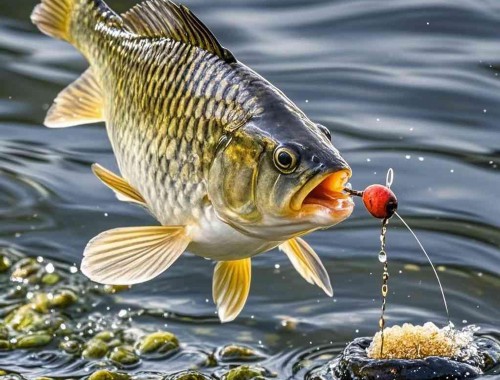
164	18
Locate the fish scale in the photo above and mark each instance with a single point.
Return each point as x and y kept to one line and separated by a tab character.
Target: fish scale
143	124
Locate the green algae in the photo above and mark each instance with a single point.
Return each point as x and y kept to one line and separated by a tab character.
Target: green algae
235	352
246	373
160	343
33	340
124	355
94	349
108	375
49	307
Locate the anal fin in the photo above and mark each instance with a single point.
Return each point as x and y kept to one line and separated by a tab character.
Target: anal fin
79	103
123	190
231	285
307	263
131	255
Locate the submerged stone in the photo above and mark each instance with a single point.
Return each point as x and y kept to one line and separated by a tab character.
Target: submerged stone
188	375
160	343
25	269
246	373
95	349
50	279
63	298
124	355
105	336
72	347
5	345
108	375
33	340
5	264
22	318
238	352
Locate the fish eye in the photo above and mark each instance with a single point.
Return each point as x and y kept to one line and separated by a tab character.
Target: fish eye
326	131
285	159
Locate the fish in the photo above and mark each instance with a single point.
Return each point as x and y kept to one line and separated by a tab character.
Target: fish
227	164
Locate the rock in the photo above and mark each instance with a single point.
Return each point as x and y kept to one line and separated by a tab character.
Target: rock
105	336
5	263
22	318
245	373
188	375
108	375
238	353
25	269
33	340
160	343
72	347
50	279
63	298
113	289
124	355
95	349
5	345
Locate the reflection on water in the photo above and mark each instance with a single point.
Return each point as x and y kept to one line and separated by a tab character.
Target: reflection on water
409	84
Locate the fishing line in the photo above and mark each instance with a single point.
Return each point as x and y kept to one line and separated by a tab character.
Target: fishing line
430	262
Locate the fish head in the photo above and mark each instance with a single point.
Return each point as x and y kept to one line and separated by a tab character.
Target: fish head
277	183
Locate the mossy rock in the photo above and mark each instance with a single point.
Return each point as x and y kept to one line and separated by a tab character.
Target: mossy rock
188	375
41	303
95	349
26	269
4	332
22	318
63	298
50	279
33	340
105	336
158	343
108	375
238	352
245	373
124	355
5	345
113	289
5	263
72	347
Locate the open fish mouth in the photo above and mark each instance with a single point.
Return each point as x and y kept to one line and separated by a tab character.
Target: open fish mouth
325	194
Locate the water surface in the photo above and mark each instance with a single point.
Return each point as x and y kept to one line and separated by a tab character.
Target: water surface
408	84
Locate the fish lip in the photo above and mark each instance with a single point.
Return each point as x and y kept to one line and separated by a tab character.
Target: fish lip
297	202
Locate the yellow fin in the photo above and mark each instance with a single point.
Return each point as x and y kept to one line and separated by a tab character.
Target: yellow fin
131	255
164	18
231	285
53	17
122	188
307	263
79	103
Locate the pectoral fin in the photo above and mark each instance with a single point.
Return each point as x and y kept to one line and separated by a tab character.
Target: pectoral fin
231	285
307	263
126	256
79	103
122	188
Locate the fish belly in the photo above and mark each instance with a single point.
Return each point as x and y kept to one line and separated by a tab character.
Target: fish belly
216	240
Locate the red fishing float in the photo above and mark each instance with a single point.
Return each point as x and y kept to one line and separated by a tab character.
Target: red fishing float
380	201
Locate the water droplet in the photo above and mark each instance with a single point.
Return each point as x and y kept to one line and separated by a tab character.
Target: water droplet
382	257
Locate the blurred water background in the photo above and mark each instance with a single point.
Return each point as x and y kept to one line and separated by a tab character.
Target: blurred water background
408	84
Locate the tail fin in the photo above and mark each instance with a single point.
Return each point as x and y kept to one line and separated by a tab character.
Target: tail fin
53	17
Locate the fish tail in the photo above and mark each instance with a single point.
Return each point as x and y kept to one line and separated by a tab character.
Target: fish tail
69	19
